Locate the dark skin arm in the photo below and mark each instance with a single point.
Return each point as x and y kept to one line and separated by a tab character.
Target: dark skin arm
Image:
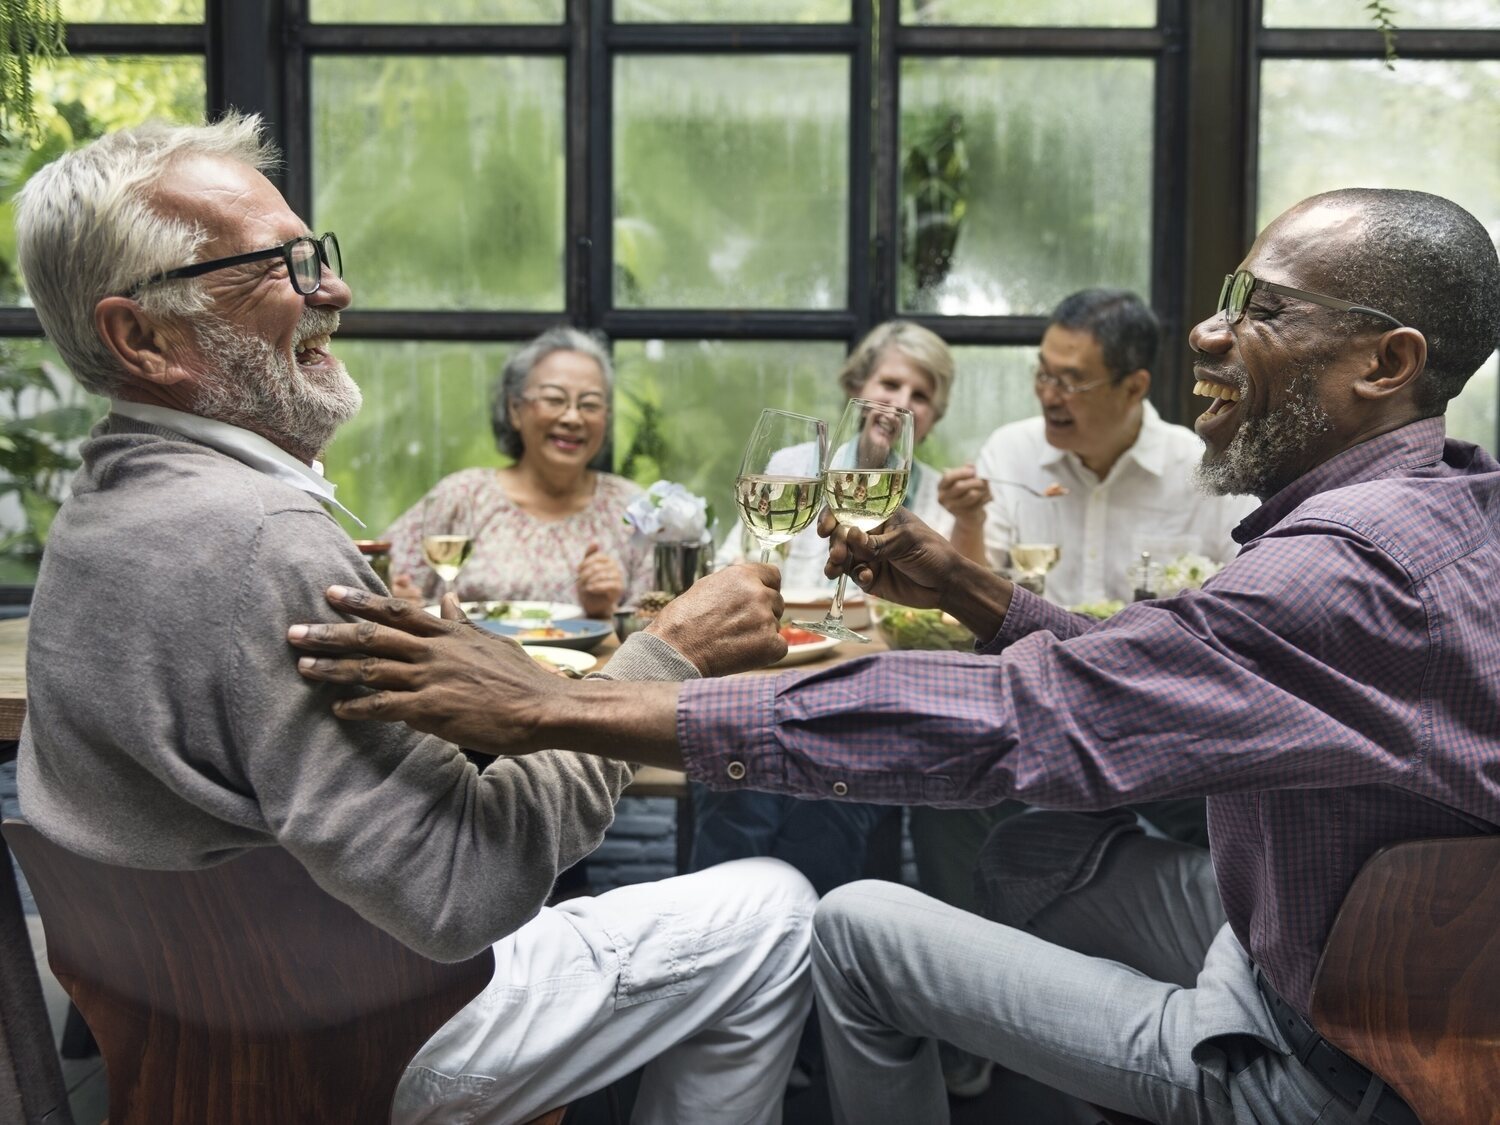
482	691
905	561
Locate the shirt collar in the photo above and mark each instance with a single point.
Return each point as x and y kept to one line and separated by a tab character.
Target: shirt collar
1413	445
248	448
1149	450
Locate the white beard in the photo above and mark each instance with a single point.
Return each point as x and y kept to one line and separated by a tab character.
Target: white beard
1258	458
251	384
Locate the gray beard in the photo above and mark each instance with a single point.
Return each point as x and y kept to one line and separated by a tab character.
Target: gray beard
254	386
1266	453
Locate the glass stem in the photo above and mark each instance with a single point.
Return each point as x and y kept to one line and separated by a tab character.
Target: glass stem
765	555
836	610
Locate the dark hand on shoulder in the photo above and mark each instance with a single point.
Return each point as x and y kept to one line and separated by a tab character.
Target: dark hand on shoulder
443	676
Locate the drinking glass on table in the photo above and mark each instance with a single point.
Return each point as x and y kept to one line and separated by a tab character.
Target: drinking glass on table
780	487
447	537
864	483
1032	562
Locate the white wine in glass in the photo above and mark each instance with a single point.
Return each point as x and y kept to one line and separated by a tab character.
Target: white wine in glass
868	470
1033	561
447	538
779	491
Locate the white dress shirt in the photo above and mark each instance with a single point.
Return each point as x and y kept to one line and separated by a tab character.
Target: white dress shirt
1150	501
244	446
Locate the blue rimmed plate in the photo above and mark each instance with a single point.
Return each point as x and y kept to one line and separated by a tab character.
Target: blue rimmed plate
577	632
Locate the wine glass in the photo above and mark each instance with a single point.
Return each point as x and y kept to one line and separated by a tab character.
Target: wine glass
864	483
780	487
1033	561
447	536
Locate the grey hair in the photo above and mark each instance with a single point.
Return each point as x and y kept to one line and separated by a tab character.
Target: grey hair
518	368
924	347
1429	263
86	229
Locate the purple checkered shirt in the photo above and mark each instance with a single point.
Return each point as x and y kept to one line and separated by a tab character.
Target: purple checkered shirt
1334	689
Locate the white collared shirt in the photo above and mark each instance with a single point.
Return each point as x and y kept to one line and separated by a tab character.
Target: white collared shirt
1150	501
244	446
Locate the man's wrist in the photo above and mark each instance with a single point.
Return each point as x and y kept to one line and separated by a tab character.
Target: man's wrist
977	596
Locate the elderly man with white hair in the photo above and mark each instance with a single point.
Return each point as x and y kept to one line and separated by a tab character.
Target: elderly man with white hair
168	727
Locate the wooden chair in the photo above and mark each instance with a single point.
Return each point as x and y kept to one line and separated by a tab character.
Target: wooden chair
241	994
1409	980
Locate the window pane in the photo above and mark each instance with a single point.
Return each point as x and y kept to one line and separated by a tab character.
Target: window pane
991	386
1022	181
132	11
437	11
731	181
1473	414
733	11
1329	124
443	198
82	97
1408	13
685	408
1031	13
44	413
426	414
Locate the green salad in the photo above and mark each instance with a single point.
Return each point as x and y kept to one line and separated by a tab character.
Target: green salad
1101	610
923	628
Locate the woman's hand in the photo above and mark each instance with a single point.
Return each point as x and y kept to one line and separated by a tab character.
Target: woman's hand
964	493
407	590
601	583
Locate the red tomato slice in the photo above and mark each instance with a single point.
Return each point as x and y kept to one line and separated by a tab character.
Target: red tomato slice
796	636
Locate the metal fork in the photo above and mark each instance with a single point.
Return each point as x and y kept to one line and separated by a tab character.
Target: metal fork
1038	493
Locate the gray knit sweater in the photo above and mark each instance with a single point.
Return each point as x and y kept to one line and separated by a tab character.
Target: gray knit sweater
167	725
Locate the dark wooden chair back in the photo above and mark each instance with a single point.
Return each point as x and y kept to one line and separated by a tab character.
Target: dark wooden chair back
1409	980
241	994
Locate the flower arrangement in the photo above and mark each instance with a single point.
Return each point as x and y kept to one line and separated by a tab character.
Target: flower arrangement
668	513
1186	572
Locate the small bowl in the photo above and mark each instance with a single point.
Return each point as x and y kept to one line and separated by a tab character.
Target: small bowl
627	621
904	628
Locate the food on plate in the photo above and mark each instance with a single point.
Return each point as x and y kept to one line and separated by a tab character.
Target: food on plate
545	633
649	604
1101	610
554	667
795	636
1055	489
492	611
923	628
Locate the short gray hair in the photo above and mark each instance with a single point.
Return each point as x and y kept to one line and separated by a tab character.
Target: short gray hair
86	230
518	368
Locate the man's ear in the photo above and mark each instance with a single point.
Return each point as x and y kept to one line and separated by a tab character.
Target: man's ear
1400	356
146	350
1137	383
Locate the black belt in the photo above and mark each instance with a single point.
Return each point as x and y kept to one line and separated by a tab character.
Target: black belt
1334	1069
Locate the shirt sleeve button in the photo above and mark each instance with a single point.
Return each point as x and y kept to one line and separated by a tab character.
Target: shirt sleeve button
840	789
735	770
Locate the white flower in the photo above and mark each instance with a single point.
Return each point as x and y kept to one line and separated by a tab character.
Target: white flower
1186	572
669	513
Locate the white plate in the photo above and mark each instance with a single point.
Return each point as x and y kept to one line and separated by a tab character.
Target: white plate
557	611
563	657
801	654
809	603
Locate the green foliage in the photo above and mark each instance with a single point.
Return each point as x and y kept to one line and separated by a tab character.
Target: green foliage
934	194
41	422
1384	17
30	31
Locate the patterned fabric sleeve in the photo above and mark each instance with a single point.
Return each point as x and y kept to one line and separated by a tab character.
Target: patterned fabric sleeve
405	534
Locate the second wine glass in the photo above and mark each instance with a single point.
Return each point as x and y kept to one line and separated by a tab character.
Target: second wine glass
865	481
447	537
780	487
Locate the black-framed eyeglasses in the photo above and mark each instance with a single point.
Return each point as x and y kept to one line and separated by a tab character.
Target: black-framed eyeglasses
1045	378
1239	285
305	257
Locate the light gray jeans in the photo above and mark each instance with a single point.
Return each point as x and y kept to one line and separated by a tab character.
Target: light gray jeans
1132	994
701	979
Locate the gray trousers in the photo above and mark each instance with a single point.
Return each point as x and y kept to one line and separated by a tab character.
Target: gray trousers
1131	993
